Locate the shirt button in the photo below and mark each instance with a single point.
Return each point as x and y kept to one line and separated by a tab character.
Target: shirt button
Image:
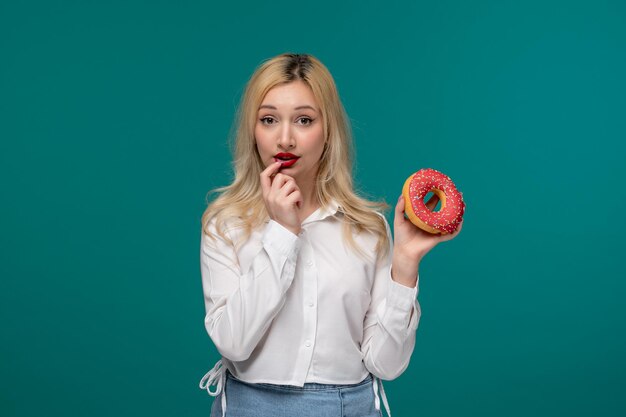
311	304
307	343
309	262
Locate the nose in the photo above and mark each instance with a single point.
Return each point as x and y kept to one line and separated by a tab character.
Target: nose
285	138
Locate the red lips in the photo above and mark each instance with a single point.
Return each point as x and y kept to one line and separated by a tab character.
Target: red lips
287	159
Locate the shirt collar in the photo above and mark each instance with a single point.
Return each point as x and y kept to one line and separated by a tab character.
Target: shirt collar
323	212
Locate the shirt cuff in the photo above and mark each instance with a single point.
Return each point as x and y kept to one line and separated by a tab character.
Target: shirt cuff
404	299
282	239
400	296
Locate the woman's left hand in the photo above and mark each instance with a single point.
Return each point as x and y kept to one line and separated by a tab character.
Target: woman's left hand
411	243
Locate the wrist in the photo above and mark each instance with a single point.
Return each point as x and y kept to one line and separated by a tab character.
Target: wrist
405	278
404	269
406	258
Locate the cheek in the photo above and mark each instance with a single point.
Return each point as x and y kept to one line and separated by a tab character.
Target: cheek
261	141
317	140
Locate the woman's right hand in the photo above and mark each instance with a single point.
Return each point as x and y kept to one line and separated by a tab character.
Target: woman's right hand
282	197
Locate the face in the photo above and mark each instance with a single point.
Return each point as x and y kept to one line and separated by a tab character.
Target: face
289	128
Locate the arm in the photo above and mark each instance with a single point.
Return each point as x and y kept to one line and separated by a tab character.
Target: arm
390	322
393	317
240	305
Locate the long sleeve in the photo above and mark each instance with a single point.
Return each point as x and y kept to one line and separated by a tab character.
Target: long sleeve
390	323
242	300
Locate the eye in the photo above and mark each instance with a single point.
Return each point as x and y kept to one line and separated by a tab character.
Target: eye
305	121
267	120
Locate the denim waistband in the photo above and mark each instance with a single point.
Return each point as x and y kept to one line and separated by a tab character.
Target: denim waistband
308	386
219	373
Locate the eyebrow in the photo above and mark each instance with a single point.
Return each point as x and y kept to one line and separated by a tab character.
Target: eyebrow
269	106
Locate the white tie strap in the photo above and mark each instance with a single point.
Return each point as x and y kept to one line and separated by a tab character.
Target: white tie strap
382	391
217	377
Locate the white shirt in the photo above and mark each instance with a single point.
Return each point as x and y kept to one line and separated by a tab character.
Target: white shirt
287	309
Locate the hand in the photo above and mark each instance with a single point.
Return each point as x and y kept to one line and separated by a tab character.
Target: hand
282	197
411	243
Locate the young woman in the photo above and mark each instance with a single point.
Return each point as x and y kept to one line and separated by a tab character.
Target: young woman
307	298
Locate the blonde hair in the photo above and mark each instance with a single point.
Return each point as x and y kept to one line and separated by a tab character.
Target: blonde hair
242	201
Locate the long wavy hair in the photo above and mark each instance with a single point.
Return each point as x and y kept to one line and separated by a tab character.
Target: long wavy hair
242	202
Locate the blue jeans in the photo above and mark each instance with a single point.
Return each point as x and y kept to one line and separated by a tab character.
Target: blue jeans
244	399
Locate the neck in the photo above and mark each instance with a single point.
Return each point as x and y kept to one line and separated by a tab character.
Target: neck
309	199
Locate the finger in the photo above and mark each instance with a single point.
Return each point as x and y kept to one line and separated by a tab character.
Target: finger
454	234
399	211
432	202
280	180
295	198
277	182
288	188
458	227
271	169
266	181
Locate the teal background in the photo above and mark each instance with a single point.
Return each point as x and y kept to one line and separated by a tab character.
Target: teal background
113	124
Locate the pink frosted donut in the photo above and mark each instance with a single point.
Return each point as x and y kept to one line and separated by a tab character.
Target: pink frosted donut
415	189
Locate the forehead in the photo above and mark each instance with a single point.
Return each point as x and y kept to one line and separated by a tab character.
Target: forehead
291	95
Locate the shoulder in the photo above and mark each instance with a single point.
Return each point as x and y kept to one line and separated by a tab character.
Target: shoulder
384	220
381	219
219	231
